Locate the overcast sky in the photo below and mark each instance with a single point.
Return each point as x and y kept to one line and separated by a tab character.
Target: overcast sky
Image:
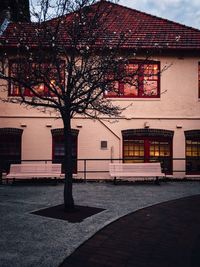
186	12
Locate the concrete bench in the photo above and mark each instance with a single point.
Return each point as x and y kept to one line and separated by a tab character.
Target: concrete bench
136	171
34	170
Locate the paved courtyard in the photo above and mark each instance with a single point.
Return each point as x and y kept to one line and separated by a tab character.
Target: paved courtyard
31	240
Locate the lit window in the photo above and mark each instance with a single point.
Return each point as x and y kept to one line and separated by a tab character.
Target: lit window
199	78
142	80
193	155
148	149
32	79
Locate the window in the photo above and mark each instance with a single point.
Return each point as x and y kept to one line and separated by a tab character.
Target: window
199	77
142	80
34	78
10	147
148	149
193	155
133	150
151	145
192	151
58	148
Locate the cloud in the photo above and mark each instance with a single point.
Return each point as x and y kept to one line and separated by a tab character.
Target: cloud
186	12
183	11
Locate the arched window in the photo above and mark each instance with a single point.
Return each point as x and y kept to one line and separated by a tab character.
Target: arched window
10	147
192	146
58	147
148	145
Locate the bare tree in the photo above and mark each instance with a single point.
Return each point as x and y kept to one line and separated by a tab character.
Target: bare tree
66	64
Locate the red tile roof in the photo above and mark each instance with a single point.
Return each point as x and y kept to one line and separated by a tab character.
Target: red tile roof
144	31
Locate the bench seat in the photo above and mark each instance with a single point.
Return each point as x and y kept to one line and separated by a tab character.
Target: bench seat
35	170
137	174
32	175
135	171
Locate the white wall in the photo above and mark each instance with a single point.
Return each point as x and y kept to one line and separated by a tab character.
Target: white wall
178	105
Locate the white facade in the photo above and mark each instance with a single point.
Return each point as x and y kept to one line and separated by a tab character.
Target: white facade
177	110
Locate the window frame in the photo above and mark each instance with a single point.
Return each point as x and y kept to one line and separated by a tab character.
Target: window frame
121	84
27	91
59	158
10	147
146	149
199	80
192	157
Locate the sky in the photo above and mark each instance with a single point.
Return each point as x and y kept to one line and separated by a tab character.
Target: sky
186	12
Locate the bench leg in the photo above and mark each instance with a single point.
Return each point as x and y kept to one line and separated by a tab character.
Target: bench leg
115	181
55	181
13	181
157	181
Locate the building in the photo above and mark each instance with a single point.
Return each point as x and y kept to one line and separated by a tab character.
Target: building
158	125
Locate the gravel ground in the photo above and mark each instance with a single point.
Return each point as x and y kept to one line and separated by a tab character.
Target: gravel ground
30	240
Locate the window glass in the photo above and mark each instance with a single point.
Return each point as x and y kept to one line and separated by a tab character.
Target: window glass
193	156
58	151
142	80
35	78
10	150
159	149
148	149
199	78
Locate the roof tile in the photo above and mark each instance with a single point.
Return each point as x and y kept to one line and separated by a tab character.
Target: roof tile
144	31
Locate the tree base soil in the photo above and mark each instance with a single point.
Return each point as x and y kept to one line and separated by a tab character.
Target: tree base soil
77	215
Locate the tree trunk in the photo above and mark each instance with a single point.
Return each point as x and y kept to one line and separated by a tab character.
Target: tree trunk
68	163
